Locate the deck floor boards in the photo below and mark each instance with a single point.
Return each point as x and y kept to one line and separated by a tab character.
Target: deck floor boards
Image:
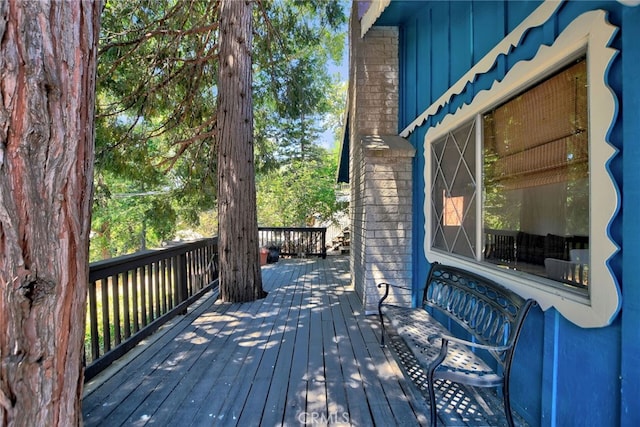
304	355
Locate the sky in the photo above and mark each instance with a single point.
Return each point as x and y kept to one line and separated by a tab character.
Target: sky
327	138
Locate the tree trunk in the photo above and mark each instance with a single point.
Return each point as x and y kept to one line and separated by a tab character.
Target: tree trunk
240	275
47	63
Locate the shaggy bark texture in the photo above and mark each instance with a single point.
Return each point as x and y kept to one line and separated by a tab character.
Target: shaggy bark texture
47	91
240	276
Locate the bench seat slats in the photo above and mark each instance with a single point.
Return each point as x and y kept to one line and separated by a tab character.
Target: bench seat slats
460	365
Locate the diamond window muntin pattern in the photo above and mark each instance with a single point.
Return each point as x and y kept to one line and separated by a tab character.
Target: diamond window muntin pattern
453	162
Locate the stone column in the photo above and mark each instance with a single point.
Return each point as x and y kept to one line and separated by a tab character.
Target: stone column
386	230
380	168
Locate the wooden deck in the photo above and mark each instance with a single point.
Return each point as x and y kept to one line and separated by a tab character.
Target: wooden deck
304	355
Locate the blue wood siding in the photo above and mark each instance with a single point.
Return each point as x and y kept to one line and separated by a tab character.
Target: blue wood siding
424	61
563	375
440	49
630	330
527	370
408	39
420	264
580	377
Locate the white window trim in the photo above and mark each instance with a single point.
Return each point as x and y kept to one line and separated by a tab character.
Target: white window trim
590	33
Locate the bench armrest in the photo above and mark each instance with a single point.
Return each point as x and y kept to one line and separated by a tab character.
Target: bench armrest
386	285
386	291
450	338
384	297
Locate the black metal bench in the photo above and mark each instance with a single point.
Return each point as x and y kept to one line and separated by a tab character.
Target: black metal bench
490	316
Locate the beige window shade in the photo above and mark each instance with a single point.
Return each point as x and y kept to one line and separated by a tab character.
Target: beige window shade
540	137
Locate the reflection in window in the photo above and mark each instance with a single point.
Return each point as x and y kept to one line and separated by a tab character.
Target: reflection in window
453	208
536	179
534	186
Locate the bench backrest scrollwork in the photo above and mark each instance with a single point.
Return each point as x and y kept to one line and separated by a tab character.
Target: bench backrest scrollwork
489	312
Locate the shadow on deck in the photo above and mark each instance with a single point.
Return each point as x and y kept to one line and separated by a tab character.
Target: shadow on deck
305	355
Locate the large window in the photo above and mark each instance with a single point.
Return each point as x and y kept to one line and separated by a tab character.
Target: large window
534	151
518	185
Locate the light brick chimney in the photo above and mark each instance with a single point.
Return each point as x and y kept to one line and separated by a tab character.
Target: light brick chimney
380	168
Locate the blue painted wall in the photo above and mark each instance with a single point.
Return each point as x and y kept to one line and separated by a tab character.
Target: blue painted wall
630	113
563	375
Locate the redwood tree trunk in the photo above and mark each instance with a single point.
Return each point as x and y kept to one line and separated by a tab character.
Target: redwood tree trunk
47	64
240	276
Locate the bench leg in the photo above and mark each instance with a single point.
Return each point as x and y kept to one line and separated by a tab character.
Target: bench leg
444	346
381	328
432	398
384	297
507	403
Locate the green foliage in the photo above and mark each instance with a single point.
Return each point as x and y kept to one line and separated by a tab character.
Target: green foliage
293	91
127	219
155	121
156	109
296	100
300	193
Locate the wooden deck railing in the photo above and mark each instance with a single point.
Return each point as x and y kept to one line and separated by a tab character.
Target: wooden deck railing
131	296
296	241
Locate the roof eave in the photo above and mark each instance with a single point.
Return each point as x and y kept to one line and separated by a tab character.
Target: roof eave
372	14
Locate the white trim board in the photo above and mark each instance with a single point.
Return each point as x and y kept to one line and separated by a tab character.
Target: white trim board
591	33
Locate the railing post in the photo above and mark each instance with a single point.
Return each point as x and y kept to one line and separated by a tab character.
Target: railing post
106	325
181	280
324	243
93	321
